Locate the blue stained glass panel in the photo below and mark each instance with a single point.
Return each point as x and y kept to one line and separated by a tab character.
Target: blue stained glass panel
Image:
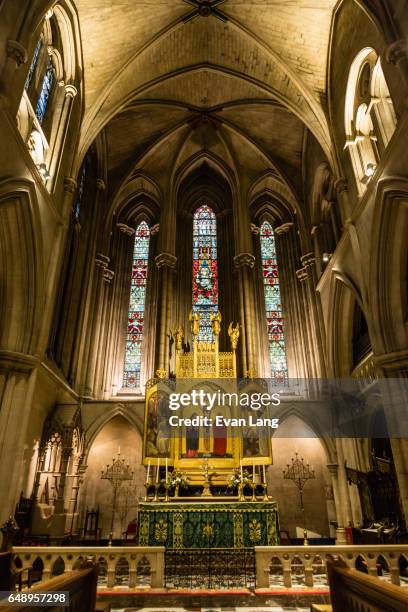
273	306
45	93
205	269
34	63
135	327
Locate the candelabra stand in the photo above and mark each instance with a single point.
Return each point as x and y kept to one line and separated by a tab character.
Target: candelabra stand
241	496
265	491
253	487
299	473
116	473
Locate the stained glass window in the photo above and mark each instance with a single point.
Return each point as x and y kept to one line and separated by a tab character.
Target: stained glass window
34	63
205	269
273	306
80	194
134	336
45	93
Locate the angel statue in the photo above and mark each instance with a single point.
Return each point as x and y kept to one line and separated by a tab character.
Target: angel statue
216	323
194	319
178	334
233	333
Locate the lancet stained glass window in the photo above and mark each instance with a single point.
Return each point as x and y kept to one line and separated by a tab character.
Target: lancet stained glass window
45	93
273	306
135	329
34	63
205	269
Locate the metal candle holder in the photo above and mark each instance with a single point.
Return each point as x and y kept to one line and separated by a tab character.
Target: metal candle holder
116	473
299	473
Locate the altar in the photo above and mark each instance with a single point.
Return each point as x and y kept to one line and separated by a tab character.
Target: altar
206	484
208	524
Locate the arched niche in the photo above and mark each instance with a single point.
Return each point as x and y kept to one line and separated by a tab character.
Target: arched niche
295	436
116	434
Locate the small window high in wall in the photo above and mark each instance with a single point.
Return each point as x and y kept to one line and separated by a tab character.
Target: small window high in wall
136	314
273	306
369	115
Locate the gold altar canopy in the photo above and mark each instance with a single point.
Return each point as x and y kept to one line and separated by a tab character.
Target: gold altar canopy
191	438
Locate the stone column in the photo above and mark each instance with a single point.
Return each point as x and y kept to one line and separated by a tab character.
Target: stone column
341	187
105	333
166	265
316	314
57	147
340	531
293	314
311	367
101	265
244	264
18	375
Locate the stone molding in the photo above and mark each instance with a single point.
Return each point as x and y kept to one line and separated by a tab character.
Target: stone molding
244	260
302	274
102	261
71	91
17	52
155	229
125	229
333	468
284	228
100	184
255	230
70	184
396	51
341	185
108	275
166	260
17	362
308	259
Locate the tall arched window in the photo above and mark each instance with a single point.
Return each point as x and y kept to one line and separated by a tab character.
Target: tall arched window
205	269
46	90
135	329
273	306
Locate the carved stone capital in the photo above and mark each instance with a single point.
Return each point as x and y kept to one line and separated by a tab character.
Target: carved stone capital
166	260
102	261
17	52
125	229
154	229
341	185
100	184
284	228
108	275
70	184
333	468
396	52
255	229
70	91
244	260
302	274
308	259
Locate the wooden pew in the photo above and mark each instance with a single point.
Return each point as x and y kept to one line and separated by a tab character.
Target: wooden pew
80	584
353	591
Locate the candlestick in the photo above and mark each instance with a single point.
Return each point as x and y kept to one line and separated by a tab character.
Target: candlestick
264	473
253	471
148	472
166	469
242	472
158	470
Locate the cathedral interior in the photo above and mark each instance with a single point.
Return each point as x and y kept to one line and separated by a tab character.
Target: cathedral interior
211	189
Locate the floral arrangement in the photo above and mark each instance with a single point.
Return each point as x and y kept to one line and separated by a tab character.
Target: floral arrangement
177	479
236	479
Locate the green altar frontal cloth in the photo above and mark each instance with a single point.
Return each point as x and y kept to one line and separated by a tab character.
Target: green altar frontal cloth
208	525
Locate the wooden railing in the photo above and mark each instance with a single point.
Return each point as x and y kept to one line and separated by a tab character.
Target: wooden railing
356	592
128	566
79	585
289	566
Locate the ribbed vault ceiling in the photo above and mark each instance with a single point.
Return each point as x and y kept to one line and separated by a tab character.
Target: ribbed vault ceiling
244	87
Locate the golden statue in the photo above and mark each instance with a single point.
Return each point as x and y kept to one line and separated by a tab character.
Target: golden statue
178	334
233	333
194	319
216	323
